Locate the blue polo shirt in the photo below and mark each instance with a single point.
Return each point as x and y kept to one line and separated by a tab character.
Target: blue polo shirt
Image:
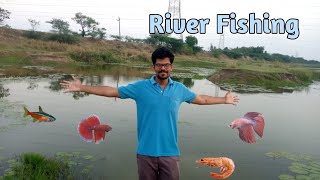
157	113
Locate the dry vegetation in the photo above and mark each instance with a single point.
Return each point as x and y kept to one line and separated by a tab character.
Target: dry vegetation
12	43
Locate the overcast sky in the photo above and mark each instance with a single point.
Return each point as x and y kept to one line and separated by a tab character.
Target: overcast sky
134	17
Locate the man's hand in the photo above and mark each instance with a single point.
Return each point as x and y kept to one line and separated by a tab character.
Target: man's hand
75	85
71	86
229	99
208	100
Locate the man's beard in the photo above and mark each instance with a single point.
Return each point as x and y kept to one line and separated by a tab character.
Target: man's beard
166	76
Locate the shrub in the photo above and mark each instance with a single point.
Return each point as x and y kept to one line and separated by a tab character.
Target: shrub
93	57
64	38
186	50
32	35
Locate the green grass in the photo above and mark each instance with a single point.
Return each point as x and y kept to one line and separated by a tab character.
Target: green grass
294	78
33	166
196	63
93	57
10	60
316	75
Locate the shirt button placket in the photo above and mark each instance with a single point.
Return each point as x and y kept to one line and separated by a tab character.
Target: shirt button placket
161	91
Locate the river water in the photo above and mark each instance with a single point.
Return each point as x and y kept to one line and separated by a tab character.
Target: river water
292	125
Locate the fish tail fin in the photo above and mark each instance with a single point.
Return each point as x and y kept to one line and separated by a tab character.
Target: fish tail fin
26	112
100	132
85	132
259	126
99	135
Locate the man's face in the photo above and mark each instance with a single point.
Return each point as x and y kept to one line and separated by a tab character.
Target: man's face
163	68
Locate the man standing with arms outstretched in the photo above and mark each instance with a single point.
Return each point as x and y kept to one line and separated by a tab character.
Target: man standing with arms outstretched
158	101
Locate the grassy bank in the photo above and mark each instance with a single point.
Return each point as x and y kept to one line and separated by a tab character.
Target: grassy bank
17	51
36	166
14	44
244	79
274	76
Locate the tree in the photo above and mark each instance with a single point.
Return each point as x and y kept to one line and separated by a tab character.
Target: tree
4	14
116	37
158	39
34	24
33	34
191	41
88	24
174	44
215	51
60	26
63	33
100	33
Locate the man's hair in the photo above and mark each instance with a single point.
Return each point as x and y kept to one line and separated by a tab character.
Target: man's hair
162	53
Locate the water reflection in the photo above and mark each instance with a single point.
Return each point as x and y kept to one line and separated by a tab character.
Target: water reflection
93	80
32	86
186	81
55	83
4	92
98	80
126	74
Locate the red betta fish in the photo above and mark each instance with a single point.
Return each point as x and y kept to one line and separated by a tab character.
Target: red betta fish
91	130
251	121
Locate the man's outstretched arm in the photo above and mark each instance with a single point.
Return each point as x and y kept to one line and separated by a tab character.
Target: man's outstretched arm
208	100
76	86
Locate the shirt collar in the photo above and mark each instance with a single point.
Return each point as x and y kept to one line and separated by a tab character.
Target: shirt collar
153	81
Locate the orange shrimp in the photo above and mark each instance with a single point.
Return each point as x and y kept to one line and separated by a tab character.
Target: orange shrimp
226	166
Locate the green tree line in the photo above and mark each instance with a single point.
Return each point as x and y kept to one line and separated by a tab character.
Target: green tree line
257	53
